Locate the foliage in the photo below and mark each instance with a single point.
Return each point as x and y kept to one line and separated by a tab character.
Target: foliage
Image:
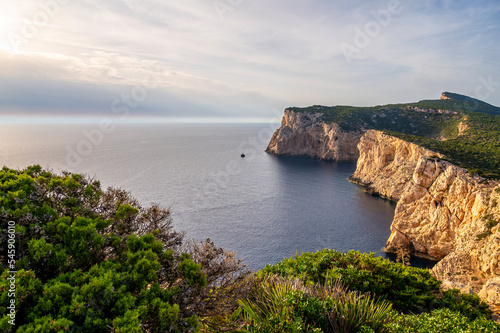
478	149
442	320
274	306
279	304
353	311
396	117
460	103
409	289
467	305
93	260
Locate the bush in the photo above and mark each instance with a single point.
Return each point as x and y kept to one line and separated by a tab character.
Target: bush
409	289
442	320
93	260
288	305
468	305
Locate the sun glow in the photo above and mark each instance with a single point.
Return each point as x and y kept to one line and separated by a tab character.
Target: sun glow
9	27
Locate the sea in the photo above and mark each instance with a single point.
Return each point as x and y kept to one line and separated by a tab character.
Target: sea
262	207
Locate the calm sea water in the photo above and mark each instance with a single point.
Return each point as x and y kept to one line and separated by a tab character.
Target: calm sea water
264	208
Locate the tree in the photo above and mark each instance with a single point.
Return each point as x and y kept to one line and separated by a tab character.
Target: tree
94	260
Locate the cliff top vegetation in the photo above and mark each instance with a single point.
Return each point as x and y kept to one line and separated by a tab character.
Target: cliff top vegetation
464	129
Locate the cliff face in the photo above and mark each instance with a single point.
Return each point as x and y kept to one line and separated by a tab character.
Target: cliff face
442	212
305	134
386	164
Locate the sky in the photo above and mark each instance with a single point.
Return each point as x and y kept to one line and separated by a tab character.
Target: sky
240	59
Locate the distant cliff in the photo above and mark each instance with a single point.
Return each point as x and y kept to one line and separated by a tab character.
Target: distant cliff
307	135
443	212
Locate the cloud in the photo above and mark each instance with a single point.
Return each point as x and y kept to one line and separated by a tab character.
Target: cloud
55	85
250	59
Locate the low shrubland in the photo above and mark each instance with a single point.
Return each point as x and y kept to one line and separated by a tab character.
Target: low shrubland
94	260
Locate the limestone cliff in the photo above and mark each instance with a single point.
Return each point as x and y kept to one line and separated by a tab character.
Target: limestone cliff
386	163
443	212
307	135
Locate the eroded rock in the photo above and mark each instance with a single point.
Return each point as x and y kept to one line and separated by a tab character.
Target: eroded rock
305	134
449	285
491	291
442	211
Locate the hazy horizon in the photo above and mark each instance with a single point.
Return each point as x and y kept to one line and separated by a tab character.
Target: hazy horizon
239	60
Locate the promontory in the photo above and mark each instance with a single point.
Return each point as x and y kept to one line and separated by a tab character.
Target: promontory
438	159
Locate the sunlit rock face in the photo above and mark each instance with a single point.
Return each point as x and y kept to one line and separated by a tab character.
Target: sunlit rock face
442	211
306	135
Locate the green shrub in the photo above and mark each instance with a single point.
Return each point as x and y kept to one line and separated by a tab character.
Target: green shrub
288	305
90	260
441	320
353	311
408	288
468	305
278	305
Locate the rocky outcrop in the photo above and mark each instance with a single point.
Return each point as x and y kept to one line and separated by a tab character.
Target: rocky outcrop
491	291
429	110
449	285
445	95
437	206
305	134
463	126
442	211
386	164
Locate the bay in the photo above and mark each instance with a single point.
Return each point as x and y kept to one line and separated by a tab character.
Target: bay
264	208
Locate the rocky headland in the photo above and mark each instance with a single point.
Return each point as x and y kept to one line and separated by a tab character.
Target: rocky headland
443	211
307	135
